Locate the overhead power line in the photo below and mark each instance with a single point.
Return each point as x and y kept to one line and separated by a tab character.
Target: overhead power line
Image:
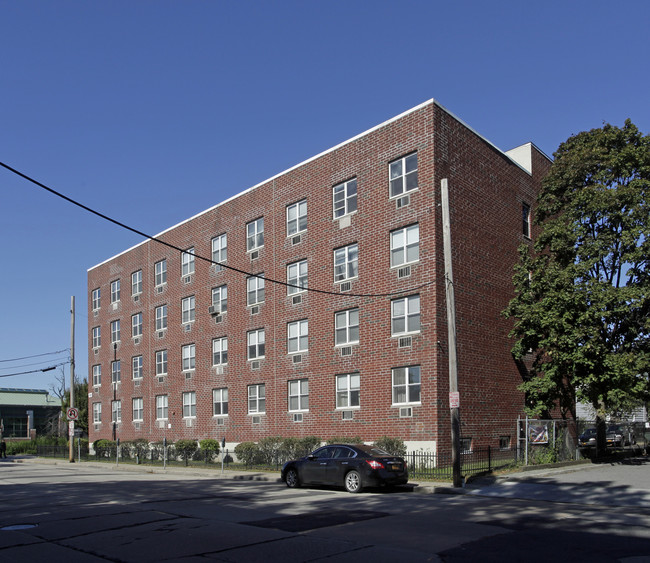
36	356
209	260
49	368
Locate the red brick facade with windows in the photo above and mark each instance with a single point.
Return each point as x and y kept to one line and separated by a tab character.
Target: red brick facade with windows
488	190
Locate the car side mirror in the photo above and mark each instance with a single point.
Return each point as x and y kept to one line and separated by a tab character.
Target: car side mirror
311	457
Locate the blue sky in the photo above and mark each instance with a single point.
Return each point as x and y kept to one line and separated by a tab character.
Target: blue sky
151	112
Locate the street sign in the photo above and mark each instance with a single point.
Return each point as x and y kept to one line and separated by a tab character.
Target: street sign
73	413
454	400
71	428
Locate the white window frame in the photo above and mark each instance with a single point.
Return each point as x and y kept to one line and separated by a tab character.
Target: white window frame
344	198
298	395
189	404
160	273
162	407
136	325
96	299
255	290
97	413
526	219
188	309
116	411
220	249
116	331
187	262
220	351
97	336
297	218
255	234
348	391
136	367
409	316
346	327
137	409
97	375
161	362
298	336
136	282
297	277
346	263
409	383
257	398
161	317
188	357
220	401
220	298
403	242
400	179
116	292
116	372
256	344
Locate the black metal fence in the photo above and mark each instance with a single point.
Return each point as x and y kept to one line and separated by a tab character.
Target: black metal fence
438	467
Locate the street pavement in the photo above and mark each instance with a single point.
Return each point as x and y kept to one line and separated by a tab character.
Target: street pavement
57	511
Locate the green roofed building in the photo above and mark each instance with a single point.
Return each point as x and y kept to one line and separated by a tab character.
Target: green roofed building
25	413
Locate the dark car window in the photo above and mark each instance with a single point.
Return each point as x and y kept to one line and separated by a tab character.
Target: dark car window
324	453
343	453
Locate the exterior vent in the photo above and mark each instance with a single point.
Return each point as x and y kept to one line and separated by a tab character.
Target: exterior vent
345	286
405	342
296	358
97	427
187	327
96	350
96	313
161	379
188	375
161	423
96	389
406	412
189	422
218	319
159	289
345	351
347	415
257	419
220	421
255	310
187	279
136	298
255	254
297	417
136	382
115	306
136	425
255	364
218	370
296	300
403	201
136	340
160	334
296	240
217	267
404	272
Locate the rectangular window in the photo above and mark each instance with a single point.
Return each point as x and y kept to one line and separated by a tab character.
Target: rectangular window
96	298
406	385
297	337
136	283
345	198
348	390
256	344
189	404
189	357
405	246
115	291
160	269
405	315
188	310
97	374
346	263
403	174
97	413
115	331
162	407
297	277
136	325
116	371
161	317
525	217
299	395
187	262
297	218
136	367
255	290
255	234
466	445
256	399
220	401
138	410
220	249
97	336
220	351
347	327
161	362
116	411
220	299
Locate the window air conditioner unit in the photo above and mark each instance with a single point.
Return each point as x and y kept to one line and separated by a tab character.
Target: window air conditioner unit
159	289
96	350
296	299
255	364
218	319
136	382
136	298
345	351
187	279
136	340
297	417
257	419
255	310
296	240
160	334
161	379
403	201
255	254
296	358
405	342
220	422
97	427
188	375
347	415
404	272
218	370
136	425
345	286
214	309
187	327
405	412
95	313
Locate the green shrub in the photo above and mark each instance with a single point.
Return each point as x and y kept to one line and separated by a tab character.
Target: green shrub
345	440
394	446
269	449
186	449
209	449
307	445
248	453
104	448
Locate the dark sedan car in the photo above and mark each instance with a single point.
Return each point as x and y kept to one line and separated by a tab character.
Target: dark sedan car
587	438
351	466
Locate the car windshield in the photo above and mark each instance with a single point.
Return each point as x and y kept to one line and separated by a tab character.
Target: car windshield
590	432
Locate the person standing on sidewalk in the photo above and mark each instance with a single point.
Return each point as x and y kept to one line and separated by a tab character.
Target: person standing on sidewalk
3	449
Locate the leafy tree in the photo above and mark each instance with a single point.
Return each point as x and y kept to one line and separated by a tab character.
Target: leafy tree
582	307
81	404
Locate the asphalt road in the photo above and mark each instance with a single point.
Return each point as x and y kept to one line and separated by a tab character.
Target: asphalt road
82	512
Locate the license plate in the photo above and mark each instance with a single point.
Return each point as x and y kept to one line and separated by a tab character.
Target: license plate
396	466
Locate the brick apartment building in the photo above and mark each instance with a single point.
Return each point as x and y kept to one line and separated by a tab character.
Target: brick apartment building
327	315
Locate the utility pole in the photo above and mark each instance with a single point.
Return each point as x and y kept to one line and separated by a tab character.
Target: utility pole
454	400
71	434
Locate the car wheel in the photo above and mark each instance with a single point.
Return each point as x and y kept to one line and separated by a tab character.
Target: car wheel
291	479
353	482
